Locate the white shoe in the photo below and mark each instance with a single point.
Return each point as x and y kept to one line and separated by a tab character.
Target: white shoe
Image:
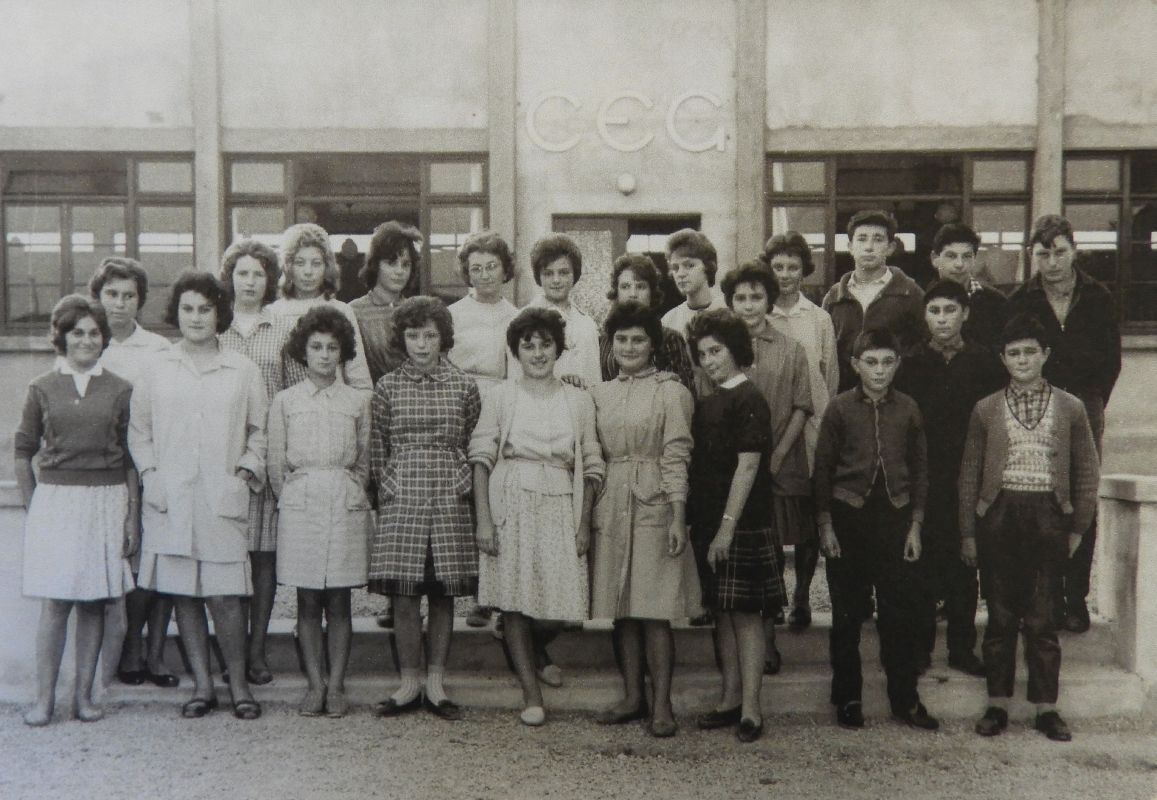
551	675
533	716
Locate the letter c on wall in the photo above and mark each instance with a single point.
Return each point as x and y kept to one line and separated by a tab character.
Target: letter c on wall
717	140
532	127
604	120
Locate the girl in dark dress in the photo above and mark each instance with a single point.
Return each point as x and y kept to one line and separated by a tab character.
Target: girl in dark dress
729	508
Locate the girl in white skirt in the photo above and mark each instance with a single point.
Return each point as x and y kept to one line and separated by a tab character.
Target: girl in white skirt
81	525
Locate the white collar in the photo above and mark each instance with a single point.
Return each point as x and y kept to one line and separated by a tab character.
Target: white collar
733	381
64	368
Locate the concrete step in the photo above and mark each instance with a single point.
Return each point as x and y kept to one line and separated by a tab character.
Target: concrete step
1087	691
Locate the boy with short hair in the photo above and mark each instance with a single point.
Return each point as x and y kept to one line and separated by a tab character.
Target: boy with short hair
946	376
871	481
692	262
1028	490
873	295
954	250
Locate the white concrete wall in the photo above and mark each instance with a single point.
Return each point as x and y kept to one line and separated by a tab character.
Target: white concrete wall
1111	62
353	64
97	63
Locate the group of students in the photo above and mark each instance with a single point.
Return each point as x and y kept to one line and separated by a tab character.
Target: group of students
647	473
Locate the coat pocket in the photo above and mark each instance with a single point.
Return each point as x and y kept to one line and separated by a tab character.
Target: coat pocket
355	495
293	492
231	498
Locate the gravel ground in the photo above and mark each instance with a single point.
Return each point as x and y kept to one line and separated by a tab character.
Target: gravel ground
146	751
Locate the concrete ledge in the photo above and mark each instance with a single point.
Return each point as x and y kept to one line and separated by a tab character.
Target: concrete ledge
1129	488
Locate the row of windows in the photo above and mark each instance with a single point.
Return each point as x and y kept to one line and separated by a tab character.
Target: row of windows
61	213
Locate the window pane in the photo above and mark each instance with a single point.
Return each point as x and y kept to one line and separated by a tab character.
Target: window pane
264	223
33	259
797	176
1001	231
875	175
376	175
449	227
999	176
916	225
1096	226
165	242
97	232
165	176
1141	297
1141	302
811	221
1143	172
257	177
1092	174
455	177
66	174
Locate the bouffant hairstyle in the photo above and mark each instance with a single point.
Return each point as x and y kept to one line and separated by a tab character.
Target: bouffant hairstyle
115	268
1021	327
751	272
546	322
208	287
389	241
875	339
486	242
551	247
723	326
694	244
955	233
947	290
790	243
322	319
631	314
644	269
874	216
69	311
265	255
1048	228
416	312
298	237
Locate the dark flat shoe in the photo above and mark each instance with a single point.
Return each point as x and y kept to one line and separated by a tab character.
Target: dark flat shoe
662	729
748	731
613	716
918	718
993	723
969	664
246	709
199	707
799	620
773	663
719	719
850	715
132	677
258	676
1052	726
444	709
392	708
163	681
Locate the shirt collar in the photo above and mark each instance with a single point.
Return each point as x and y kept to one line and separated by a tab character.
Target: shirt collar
440	373
64	368
862	396
885	276
1044	385
974	286
315	390
646	372
221	360
802	305
947	349
733	381
378	297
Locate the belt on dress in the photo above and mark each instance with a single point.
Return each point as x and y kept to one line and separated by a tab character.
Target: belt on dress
633	460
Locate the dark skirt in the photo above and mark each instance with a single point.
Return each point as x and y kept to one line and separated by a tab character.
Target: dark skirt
748	580
794	520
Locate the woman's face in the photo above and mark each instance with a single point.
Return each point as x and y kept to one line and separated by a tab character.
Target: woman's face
632	287
307	271
716	360
83	344
394	275
249	282
322	355
536	355
557	279
788	271
486	274
196	317
750	304
424	345
632	349
121	300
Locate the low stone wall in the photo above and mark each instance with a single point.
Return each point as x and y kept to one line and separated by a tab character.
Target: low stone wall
18	615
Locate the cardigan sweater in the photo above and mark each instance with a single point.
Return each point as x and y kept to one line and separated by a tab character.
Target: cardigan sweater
1075	468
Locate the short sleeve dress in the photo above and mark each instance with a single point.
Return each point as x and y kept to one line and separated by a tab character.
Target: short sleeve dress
729	422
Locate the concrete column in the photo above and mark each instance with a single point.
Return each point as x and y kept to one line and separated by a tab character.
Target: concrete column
501	117
208	172
750	126
1048	171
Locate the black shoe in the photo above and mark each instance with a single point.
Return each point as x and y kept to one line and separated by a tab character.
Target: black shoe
392	708
446	709
850	715
719	719
614	716
132	677
1052	726
773	662
749	731
993	723
704	620
968	664
780	619
165	681
917	718
1077	618
800	619
478	617
385	620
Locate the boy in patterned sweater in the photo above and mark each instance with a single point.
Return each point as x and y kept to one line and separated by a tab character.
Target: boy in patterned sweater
1028	490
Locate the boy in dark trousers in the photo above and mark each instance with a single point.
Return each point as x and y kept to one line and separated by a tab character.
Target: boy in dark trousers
871	479
1028	489
946	375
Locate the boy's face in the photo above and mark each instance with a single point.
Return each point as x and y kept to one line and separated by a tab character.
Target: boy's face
1024	359
870	246
876	368
689	273
1055	262
955	261
944	317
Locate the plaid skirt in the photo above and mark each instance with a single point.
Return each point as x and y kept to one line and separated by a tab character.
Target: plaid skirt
748	580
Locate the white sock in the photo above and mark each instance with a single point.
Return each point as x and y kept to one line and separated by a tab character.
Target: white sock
1044	708
434	689
410	688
